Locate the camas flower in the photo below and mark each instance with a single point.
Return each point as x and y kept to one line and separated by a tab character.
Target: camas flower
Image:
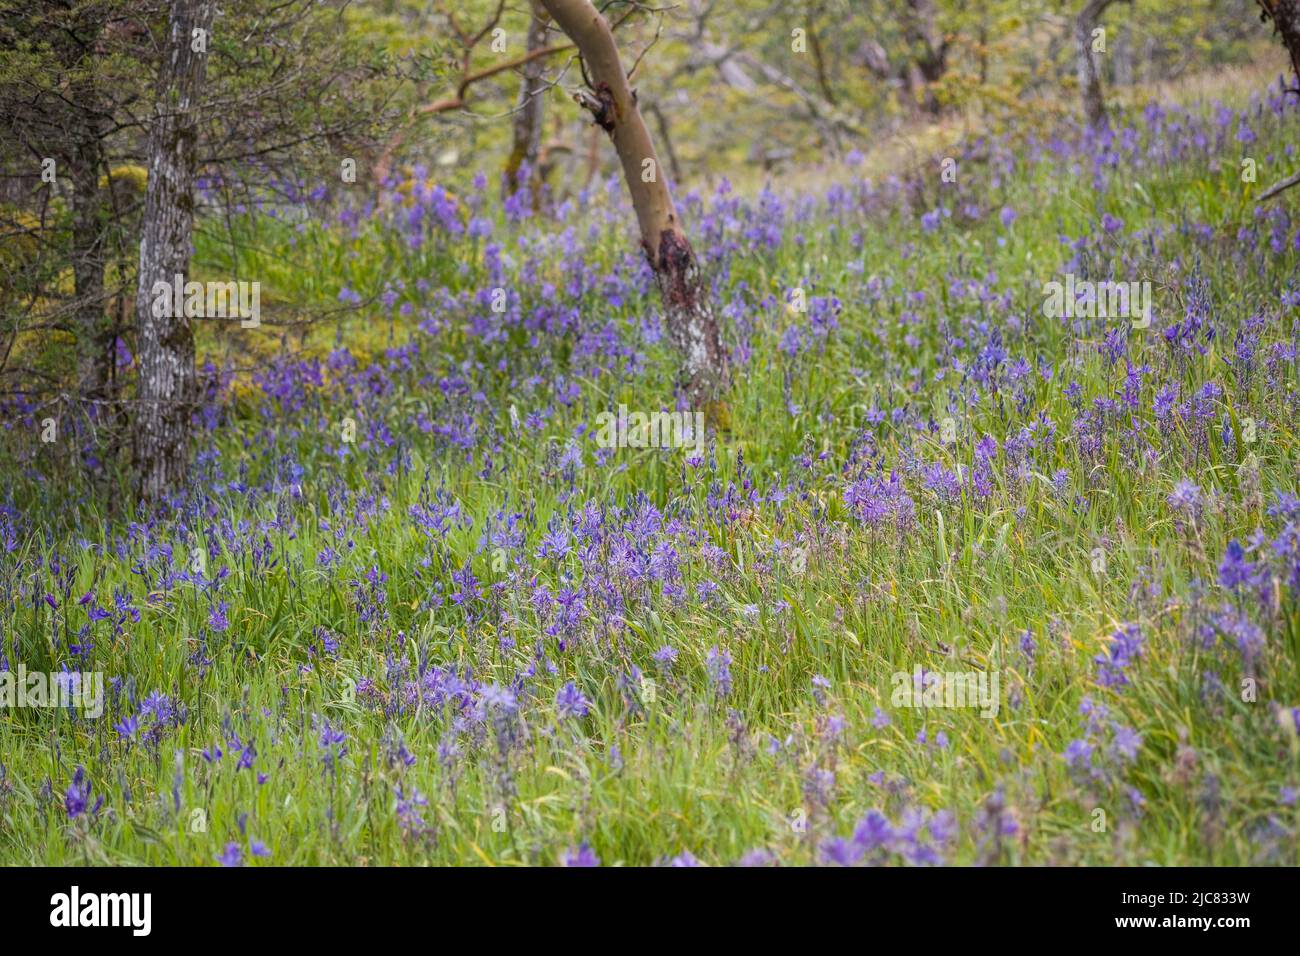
1125	647
231	855
77	799
570	703
583	855
718	665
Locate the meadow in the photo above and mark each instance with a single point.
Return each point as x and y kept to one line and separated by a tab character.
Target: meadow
410	611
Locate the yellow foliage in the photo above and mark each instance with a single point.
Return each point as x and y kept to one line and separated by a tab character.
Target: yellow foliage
18	248
137	176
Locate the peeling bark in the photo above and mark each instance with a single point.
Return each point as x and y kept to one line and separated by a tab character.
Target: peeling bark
167	387
692	326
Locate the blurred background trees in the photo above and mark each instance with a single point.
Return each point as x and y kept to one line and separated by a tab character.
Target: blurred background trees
763	85
87	110
327	100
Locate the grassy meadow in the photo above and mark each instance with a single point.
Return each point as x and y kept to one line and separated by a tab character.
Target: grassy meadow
410	611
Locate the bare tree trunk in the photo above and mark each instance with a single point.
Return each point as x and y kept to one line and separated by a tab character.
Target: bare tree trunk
689	313
1094	103
661	121
929	53
165	343
548	155
593	158
528	112
819	58
1285	15
94	348
984	48
83	123
1124	56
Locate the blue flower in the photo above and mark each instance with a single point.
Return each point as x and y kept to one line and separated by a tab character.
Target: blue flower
718	664
77	799
582	856
570	703
231	855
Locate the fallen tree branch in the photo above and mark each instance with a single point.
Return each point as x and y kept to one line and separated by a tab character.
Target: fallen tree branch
1278	187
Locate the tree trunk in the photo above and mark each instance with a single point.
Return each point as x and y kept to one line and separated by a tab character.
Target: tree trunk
661	121
1094	103
1285	15
165	343
929	54
984	48
528	113
94	331
819	58
1124	56
692	326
